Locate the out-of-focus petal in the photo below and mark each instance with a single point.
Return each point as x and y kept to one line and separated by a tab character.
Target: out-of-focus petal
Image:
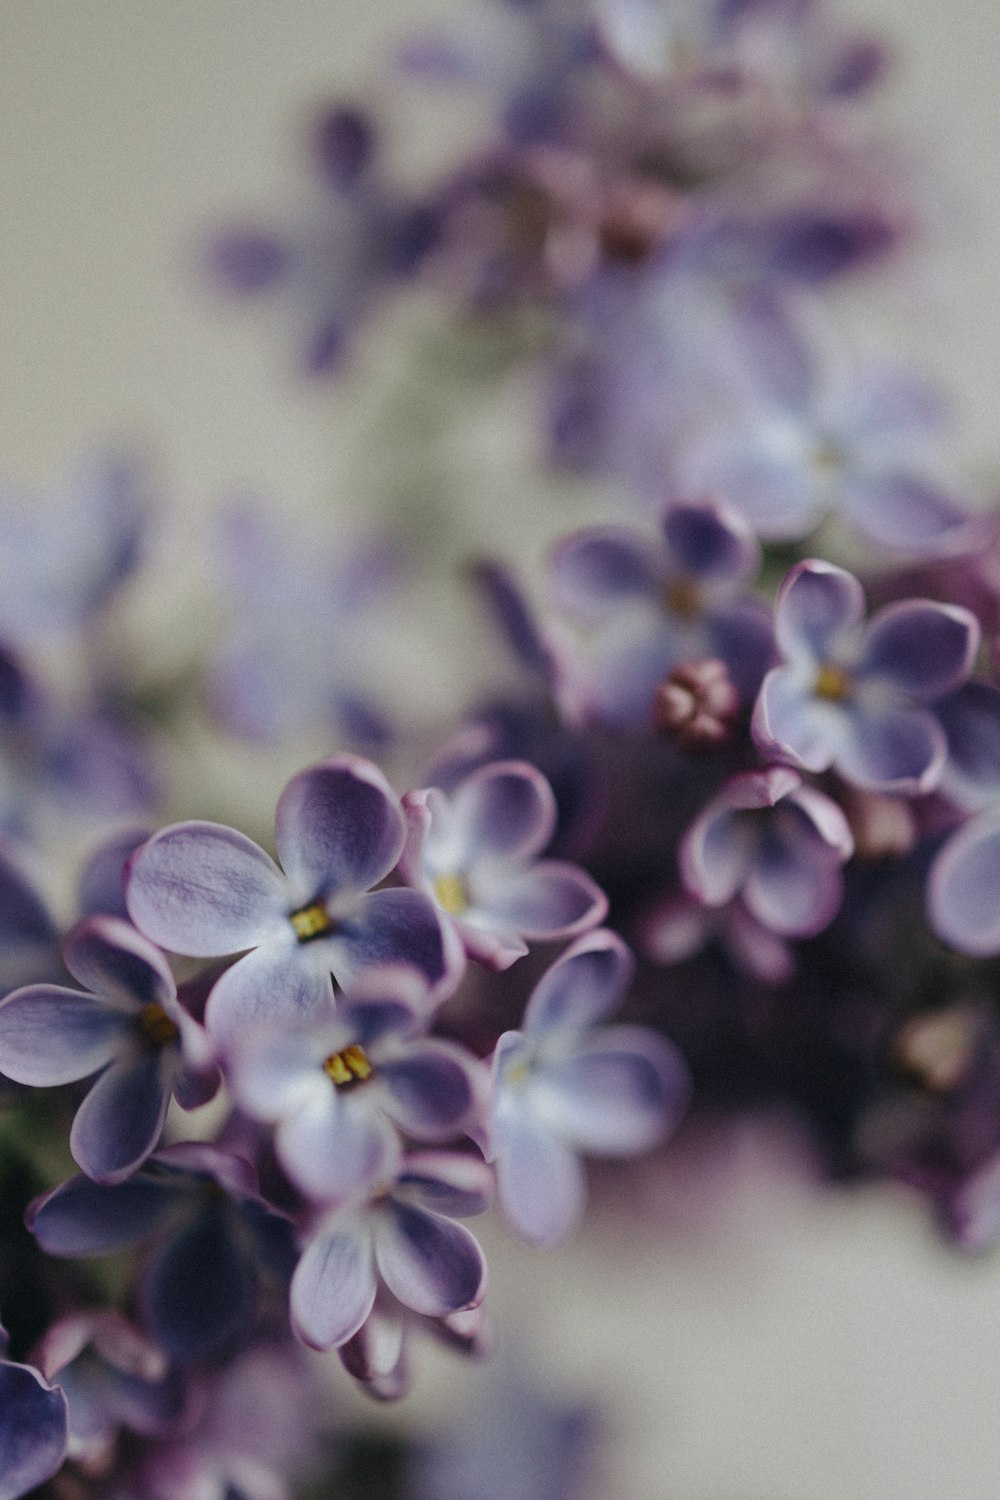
925	649
203	889
583	986
200	1288
338	827
109	957
711	542
595	574
81	1217
963	892
540	1181
618	1094
32	1430
548	900
906	513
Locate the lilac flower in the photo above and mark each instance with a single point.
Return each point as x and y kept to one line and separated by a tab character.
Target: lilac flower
33	1421
863	444
476	853
679	927
565	1085
112	1377
341	1089
214	1235
856	698
641	609
331	262
778	843
264	683
404	1238
128	1026
206	890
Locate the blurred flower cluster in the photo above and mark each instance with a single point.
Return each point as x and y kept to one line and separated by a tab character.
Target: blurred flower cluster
720	834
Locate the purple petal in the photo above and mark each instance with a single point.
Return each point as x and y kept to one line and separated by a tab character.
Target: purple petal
905	513
818	605
338	827
540	1181
281	983
971	720
963	891
711	541
109	957
333	1147
714	856
584	985
376	1355
767	479
203	890
595	574
619	1094
924	649
551	899
505	811
32	1430
430	1090
119	1122
448	1182
790	720
741	633
248	261
81	1217
333	1289
50	1035
893	749
200	1288
431	1264
795	885
395	927
101	887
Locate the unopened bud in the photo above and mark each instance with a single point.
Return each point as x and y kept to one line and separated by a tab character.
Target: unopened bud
696	704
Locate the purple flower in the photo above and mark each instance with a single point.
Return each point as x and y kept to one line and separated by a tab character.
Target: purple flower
777	843
638	609
476	853
963	890
128	1026
405	1239
565	1085
853	697
342	1089
679	927
112	1377
206	890
214	1238
862	444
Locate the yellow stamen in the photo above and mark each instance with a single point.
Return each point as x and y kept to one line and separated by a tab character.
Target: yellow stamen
349	1066
157	1024
451	893
310	921
832	683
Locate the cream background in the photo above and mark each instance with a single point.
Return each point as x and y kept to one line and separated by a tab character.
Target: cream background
794	1347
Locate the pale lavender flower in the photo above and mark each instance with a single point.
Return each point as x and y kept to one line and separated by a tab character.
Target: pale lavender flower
476	852
113	1377
404	1238
341	1090
776	842
857	697
378	1354
565	1085
128	1026
637	608
205	890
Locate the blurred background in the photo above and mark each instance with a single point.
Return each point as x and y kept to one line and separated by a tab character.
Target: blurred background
751	1335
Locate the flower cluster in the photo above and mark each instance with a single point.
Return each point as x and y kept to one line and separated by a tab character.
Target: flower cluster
749	733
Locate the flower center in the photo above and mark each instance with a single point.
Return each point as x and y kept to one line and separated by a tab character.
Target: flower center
832	683
451	892
351	1065
827	459
157	1025
682	598
311	921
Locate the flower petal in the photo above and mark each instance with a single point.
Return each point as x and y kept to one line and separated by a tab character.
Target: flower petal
906	512
540	1181
714	856
394	926
790	721
618	1094
338	827
506	810
333	1147
203	889
595	574
795	884
81	1217
431	1264
548	900
119	1122
110	958
963	892
448	1182
50	1035
333	1289
711	541
818	605
892	749
282	983
584	985
430	1090
923	648
200	1288
32	1430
